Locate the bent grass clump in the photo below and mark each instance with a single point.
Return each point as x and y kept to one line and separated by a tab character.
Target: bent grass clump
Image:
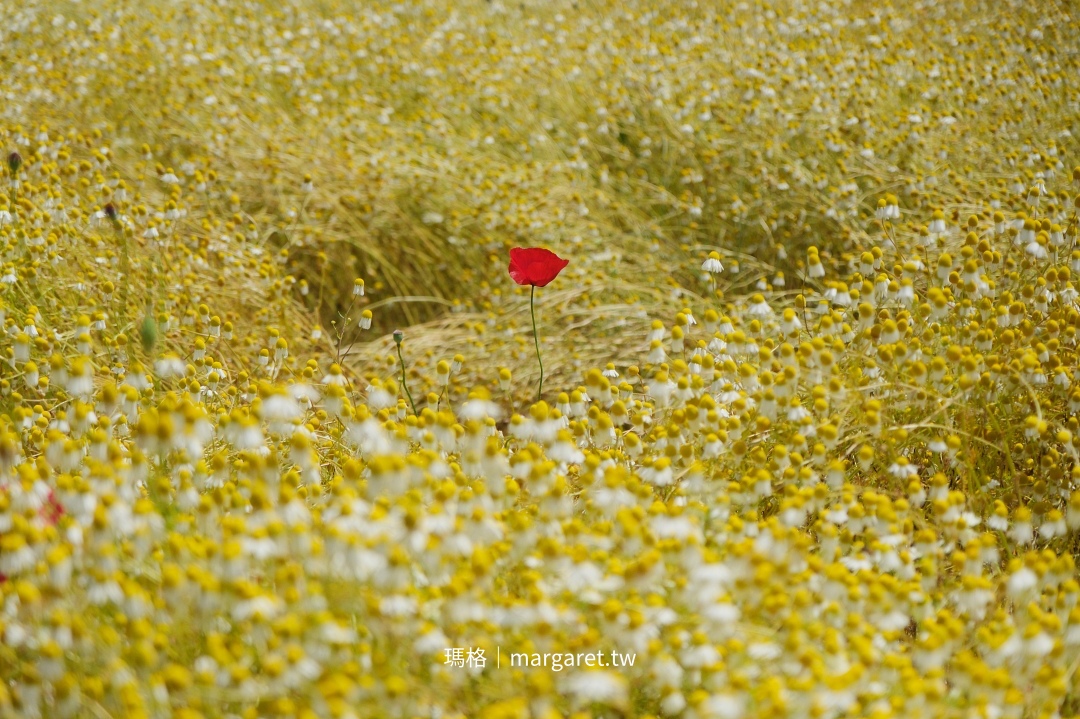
813	443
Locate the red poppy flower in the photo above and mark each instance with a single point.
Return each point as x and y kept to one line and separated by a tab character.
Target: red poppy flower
535	266
52	511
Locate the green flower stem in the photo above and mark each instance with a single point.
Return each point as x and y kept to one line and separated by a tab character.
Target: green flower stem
403	383
536	339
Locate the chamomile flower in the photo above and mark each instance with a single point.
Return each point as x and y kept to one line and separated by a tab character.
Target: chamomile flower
712	263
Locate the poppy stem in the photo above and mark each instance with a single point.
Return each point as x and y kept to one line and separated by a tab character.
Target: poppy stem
536	339
403	383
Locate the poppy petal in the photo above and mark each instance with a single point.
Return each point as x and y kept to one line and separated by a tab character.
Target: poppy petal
518	271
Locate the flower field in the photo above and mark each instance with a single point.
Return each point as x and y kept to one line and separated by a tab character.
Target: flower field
509	359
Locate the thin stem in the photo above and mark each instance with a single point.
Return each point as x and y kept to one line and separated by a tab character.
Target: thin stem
536	339
125	269
341	331
403	383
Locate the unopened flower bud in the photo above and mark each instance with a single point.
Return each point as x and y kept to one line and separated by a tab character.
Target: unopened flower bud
148	332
